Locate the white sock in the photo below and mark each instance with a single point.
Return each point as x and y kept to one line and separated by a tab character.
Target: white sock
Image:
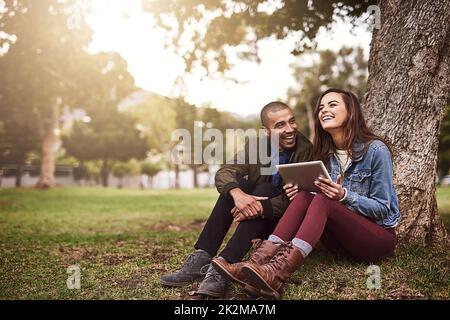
304	247
275	239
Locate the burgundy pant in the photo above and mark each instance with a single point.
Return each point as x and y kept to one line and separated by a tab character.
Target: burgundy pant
317	217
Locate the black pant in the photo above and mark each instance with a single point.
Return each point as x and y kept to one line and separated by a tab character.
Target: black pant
221	219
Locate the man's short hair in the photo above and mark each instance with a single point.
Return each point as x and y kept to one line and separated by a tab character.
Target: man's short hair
271	107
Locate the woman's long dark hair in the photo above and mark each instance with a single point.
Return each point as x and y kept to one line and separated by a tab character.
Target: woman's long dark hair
355	130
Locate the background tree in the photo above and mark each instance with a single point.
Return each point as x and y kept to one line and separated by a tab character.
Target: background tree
121	170
110	136
42	68
156	117
151	170
18	138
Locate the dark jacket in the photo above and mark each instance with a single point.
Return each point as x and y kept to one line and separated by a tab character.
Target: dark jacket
227	176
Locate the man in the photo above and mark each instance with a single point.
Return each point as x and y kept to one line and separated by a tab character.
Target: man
257	201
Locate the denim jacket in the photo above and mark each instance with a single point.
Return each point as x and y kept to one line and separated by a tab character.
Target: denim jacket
368	180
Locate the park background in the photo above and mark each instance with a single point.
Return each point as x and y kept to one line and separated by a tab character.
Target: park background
91	91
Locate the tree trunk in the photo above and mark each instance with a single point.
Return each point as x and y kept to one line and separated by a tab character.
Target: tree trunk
19	176
49	142
310	115
408	86
195	175
177	177
104	172
120	183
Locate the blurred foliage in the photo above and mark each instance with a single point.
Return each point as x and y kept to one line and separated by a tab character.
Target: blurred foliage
150	169
32	75
130	168
156	118
46	67
214	25
111	136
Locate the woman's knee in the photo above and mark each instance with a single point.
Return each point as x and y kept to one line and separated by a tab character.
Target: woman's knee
302	197
322	199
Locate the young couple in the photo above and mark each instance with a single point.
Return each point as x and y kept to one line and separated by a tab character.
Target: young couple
355	213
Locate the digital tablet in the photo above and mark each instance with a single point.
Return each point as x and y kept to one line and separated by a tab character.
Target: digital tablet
303	174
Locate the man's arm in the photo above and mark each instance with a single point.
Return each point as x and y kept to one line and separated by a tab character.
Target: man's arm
227	177
228	185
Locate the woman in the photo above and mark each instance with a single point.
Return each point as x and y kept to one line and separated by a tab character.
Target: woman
355	215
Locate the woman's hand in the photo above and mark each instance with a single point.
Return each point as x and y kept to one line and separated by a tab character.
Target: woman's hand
290	190
332	190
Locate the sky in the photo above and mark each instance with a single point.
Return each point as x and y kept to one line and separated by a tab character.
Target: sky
136	37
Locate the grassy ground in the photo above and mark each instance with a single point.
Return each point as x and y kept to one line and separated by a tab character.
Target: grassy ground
123	240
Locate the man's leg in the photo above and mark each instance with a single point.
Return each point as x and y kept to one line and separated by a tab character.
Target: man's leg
219	222
211	238
214	283
248	230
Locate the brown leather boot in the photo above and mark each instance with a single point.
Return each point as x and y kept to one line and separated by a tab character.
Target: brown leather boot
264	250
271	277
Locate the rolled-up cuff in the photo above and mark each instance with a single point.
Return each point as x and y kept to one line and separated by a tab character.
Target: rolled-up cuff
228	187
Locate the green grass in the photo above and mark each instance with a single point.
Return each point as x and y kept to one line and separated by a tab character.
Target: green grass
443	198
124	240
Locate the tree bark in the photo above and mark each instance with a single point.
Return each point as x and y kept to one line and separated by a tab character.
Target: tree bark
49	141
408	86
104	172
311	124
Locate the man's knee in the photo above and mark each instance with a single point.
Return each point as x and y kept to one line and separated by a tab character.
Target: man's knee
256	228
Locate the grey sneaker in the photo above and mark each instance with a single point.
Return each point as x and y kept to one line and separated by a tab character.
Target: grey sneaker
195	266
214	284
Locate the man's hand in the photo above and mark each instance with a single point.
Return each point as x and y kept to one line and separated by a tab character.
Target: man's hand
238	216
332	190
290	190
248	205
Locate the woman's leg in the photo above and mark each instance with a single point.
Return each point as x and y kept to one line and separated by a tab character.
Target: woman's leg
358	236
291	220
363	239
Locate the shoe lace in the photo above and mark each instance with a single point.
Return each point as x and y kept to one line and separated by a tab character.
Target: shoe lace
281	256
256	252
204	269
191	260
213	274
